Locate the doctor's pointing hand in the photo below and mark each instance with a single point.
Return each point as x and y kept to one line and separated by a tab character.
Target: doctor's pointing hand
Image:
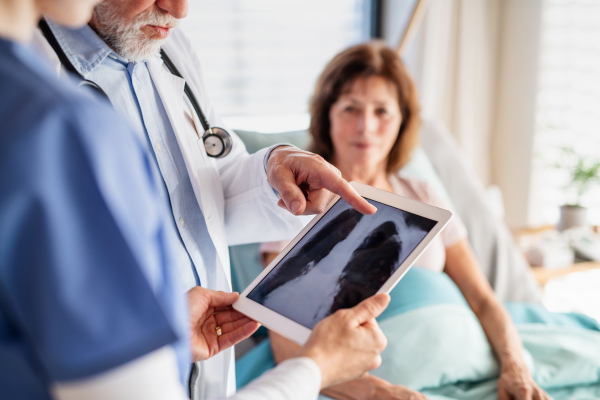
306	182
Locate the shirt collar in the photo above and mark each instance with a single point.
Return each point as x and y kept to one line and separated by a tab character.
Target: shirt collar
83	47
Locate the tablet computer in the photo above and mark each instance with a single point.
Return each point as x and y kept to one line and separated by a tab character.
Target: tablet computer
339	259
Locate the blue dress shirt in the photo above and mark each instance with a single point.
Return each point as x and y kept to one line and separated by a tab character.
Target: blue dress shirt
86	277
132	92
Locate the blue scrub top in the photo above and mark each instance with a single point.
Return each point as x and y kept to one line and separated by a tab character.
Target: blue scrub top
86	281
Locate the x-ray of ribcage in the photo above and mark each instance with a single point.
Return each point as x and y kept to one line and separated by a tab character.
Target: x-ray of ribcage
345	258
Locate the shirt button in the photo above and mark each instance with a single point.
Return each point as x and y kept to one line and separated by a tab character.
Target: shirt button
158	147
181	221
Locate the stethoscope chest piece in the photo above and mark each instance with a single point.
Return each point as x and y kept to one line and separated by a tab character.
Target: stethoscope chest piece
217	142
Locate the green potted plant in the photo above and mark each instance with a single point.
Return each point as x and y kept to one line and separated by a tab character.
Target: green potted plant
584	173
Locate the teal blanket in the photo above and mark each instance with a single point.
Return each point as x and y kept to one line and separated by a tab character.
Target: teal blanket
436	345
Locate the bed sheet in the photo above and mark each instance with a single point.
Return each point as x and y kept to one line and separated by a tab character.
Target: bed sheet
436	345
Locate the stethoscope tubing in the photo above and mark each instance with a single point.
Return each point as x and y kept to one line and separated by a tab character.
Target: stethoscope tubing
188	91
219	133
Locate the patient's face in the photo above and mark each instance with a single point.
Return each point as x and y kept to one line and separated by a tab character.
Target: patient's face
365	122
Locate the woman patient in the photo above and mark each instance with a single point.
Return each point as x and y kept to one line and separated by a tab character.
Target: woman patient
365	121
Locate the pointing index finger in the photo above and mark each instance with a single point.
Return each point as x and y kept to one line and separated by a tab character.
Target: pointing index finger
342	188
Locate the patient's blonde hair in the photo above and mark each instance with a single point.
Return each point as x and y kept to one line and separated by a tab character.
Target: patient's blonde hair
363	61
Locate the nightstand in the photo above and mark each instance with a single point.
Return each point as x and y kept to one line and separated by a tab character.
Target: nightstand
543	275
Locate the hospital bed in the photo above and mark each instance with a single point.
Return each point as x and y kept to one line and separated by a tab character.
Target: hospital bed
428	321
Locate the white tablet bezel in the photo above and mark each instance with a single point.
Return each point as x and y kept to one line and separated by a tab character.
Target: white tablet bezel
299	333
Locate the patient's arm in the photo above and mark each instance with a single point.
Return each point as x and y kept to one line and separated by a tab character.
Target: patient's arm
369	387
515	380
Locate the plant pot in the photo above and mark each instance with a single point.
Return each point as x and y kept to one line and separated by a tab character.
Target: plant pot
572	216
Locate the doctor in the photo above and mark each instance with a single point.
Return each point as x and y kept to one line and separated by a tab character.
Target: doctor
90	307
215	202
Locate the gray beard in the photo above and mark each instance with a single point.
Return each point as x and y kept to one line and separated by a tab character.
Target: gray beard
125	37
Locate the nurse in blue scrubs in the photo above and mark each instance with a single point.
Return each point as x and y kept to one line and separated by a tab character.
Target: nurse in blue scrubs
86	287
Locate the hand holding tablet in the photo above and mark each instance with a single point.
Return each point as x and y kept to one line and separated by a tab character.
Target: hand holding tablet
349	342
341	258
215	326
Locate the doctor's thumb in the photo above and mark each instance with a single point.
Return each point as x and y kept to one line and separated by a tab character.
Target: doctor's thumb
370	308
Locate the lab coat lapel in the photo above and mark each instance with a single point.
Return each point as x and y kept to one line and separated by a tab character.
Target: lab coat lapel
171	91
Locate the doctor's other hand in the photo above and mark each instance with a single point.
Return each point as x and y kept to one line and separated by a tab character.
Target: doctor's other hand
348	343
210	310
306	182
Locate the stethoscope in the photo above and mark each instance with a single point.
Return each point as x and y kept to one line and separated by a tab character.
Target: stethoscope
217	141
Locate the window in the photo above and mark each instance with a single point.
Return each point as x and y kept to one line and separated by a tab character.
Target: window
568	105
261	58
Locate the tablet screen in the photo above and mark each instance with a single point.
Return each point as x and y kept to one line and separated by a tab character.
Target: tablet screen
345	258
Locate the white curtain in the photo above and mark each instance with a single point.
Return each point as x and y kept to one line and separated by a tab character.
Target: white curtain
475	64
455	68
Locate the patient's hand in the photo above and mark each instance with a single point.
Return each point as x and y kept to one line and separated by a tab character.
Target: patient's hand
372	388
518	384
386	391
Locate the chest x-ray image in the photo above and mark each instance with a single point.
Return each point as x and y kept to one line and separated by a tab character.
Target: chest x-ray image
345	258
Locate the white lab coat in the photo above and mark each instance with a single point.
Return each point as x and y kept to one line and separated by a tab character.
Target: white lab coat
238	203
